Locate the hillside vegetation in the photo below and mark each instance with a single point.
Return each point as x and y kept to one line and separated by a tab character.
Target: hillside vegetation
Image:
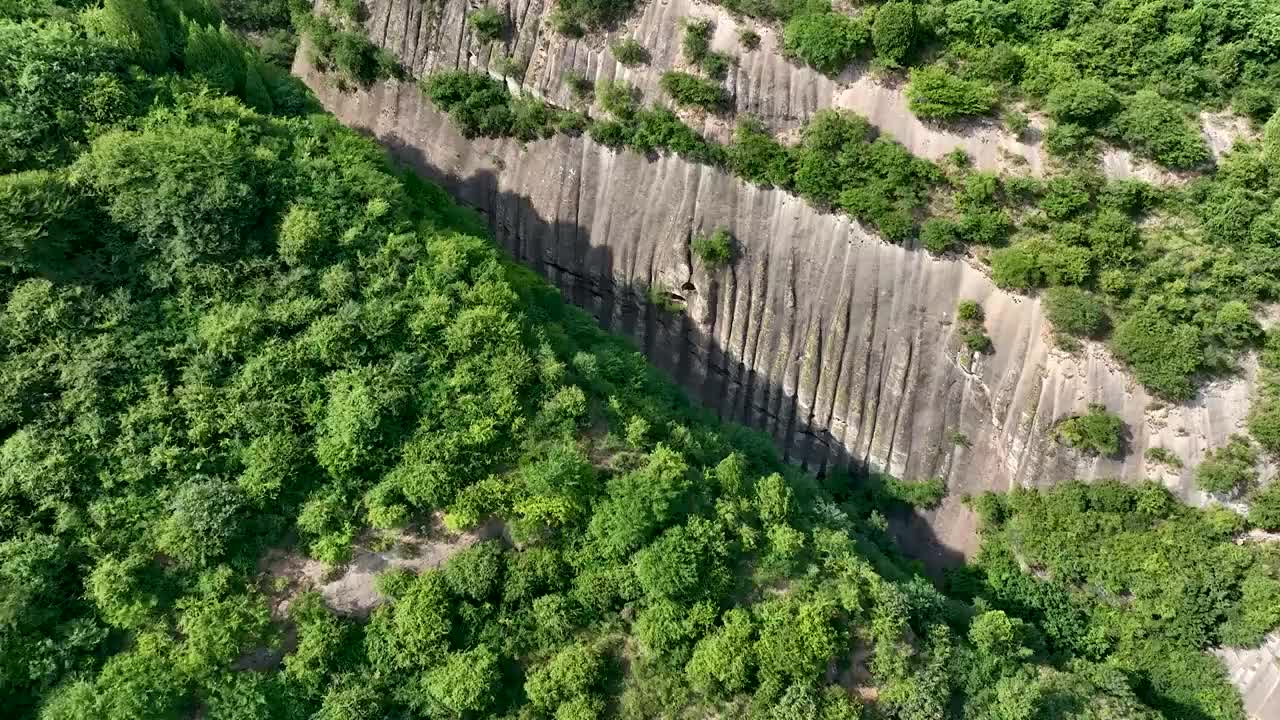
229	326
1132	73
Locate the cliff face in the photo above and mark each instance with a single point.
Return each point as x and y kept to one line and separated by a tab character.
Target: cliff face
840	345
843	347
430	35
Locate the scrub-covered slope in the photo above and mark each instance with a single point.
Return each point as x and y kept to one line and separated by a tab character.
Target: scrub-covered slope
844	347
234	335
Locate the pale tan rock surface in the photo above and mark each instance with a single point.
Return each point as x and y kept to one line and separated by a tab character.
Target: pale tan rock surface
840	345
430	35
1256	673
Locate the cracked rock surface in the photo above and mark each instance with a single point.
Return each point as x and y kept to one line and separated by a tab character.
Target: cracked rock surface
431	35
843	347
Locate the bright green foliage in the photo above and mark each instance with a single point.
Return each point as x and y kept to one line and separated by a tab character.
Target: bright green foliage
757	157
1229	469
132	26
715	250
1163	354
696	42
1089	102
938	235
724	662
716	65
1159	129
466	684
828	41
55	87
692	91
574	672
893	32
629	52
230	339
481	105
255	91
969	311
1164	456
573	16
937	94
1264	508
216	56
349	51
487	23
1178	571
969	327
1096	432
476	572
876	180
1075	312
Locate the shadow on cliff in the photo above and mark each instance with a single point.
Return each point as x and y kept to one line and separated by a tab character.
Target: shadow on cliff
671	340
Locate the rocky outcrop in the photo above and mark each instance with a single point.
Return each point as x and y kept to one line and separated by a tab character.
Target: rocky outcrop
843	347
840	345
430	35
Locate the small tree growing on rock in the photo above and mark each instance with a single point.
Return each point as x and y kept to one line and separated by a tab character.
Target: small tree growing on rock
1096	432
714	250
1229	469
488	24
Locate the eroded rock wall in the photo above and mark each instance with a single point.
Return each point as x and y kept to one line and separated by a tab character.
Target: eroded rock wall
840	345
431	35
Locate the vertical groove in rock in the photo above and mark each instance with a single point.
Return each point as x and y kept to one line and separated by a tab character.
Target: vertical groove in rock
839	345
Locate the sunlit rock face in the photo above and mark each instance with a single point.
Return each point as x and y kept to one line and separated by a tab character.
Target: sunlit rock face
841	346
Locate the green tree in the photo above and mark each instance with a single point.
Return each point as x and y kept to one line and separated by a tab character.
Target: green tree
828	41
723	662
893	32
1230	468
1097	432
466	684
935	93
1088	102
216	56
132	26
1075	312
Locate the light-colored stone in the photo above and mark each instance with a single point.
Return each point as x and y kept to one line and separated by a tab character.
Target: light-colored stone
841	346
432	35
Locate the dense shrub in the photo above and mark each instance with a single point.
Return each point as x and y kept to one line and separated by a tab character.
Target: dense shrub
715	250
1264	508
1075	312
1096	432
749	39
938	235
935	93
893	32
756	156
878	181
574	16
357	60
1089	102
693	91
487	23
1160	129
696	42
1164	354
716	65
1037	262
629	52
481	105
828	41
1229	470
969	311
